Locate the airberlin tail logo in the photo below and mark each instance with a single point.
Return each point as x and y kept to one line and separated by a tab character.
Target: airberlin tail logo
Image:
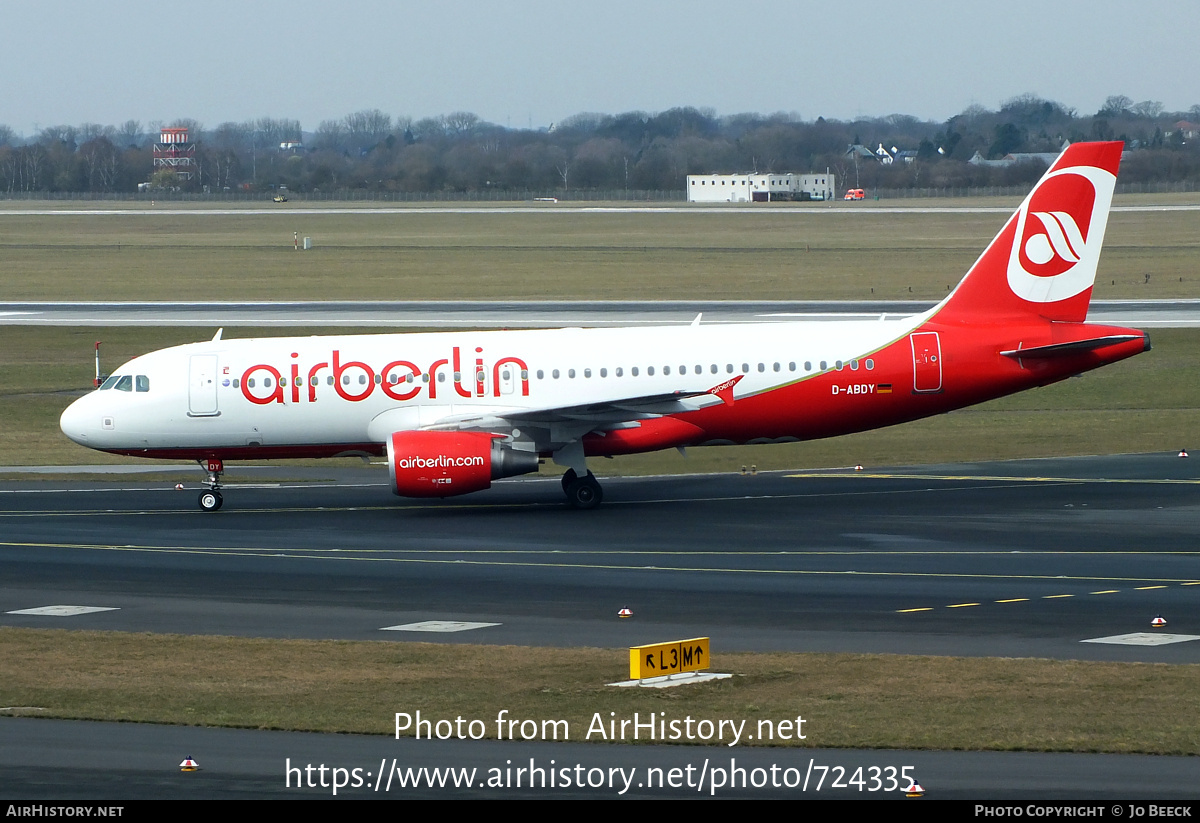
1060	227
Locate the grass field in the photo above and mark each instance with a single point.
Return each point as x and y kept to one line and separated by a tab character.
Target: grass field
860	701
811	253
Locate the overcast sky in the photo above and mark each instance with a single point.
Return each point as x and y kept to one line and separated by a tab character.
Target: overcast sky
533	62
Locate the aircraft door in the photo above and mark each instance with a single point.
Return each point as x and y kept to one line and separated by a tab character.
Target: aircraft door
927	362
202	386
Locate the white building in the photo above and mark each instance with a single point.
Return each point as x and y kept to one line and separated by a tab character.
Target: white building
758	187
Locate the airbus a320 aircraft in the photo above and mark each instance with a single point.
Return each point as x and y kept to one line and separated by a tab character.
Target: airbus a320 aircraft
453	411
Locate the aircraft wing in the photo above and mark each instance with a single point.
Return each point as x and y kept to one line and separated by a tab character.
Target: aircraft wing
600	415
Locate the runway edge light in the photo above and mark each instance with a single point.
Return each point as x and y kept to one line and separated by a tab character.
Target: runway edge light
915	790
625	613
189	765
1158	622
1183	453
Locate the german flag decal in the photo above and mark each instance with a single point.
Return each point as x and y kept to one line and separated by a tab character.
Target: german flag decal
883	388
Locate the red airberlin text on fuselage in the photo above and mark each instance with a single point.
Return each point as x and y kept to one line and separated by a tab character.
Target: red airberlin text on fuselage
398	380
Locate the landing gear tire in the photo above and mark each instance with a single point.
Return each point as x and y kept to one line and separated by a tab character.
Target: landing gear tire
584	492
568	478
210	501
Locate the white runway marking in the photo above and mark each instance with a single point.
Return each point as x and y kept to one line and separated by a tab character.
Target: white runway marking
64	611
439	626
1143	639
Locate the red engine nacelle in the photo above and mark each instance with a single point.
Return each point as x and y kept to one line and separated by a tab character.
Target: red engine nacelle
442	464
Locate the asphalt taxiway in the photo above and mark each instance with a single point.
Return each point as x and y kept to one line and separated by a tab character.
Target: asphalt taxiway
1067	558
1021	558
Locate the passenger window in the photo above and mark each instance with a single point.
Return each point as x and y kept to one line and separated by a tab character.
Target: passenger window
870	364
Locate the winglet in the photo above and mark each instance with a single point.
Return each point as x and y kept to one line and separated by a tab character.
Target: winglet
725	390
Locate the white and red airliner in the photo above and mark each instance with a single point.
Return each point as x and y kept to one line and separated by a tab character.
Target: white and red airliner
453	411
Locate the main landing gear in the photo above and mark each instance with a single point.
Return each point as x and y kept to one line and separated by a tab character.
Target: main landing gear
211	500
582	492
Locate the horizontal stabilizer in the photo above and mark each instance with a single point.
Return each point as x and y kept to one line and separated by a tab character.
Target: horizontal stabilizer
1073	347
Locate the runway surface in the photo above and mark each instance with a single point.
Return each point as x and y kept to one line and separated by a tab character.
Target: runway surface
527	314
1023	558
60	760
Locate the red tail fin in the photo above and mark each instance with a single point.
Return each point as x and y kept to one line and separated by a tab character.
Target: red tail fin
1043	262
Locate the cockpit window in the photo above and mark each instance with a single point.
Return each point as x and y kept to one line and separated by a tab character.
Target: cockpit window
125	383
142	382
110	381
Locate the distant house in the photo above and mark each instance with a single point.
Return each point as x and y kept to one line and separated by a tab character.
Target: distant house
759	187
1188	129
1016	157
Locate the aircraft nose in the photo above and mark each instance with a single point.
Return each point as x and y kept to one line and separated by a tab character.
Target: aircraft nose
74	421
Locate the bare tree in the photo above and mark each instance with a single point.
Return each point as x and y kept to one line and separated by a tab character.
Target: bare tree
1150	109
1115	105
130	133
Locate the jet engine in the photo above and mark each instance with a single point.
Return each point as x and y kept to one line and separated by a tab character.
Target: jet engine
443	464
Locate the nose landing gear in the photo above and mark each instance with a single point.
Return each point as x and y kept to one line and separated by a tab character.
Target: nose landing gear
211	500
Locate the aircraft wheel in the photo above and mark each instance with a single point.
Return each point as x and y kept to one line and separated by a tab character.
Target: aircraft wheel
210	501
569	478
585	493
